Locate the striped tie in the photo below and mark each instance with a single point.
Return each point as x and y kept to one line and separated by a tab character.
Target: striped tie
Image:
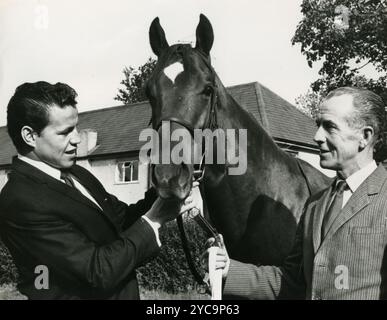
335	207
65	176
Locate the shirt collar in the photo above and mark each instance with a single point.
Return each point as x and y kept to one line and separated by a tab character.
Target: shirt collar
357	178
51	171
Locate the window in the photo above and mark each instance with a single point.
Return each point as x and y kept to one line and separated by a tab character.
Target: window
127	171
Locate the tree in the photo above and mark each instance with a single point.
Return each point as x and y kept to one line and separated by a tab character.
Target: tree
308	103
346	35
134	82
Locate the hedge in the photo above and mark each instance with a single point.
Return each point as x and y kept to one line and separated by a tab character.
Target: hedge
8	272
169	272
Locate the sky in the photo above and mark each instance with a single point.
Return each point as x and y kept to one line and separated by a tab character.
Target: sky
87	43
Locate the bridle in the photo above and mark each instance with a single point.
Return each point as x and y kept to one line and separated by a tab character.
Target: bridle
211	123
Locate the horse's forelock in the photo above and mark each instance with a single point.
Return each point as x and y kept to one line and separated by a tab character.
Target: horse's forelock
185	54
178	53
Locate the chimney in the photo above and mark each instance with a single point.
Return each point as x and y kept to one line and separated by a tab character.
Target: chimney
88	142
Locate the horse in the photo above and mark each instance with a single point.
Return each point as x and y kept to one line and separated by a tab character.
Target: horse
257	212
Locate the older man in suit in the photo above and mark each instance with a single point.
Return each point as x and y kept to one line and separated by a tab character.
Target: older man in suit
340	244
69	238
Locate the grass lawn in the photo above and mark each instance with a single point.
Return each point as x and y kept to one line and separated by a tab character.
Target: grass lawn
9	292
157	295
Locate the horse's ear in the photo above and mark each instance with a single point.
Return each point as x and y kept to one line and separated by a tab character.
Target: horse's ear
157	38
204	35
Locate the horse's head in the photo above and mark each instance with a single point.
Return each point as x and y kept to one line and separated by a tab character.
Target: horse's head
182	93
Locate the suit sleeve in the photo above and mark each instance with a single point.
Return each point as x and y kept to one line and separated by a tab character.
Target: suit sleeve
128	214
269	282
61	246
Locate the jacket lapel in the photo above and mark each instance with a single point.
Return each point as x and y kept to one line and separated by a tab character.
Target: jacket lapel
71	192
359	199
98	194
54	184
318	217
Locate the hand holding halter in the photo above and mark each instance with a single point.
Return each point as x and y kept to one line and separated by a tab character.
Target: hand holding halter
214	274
213	279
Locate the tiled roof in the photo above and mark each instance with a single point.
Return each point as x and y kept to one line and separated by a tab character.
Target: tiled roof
281	119
119	127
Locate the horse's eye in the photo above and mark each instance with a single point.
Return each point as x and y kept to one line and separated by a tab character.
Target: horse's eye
208	90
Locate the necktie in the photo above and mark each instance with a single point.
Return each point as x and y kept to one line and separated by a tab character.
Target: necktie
65	176
335	207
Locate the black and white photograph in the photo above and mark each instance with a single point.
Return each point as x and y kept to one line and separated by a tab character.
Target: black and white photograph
195	150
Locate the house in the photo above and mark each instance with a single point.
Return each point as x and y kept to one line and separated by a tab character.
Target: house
110	145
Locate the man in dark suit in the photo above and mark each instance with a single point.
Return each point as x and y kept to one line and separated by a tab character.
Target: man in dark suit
340	245
69	238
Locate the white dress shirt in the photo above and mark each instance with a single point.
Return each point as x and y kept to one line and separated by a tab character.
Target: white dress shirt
356	179
55	173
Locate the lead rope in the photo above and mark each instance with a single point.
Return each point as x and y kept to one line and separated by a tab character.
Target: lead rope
187	252
213	279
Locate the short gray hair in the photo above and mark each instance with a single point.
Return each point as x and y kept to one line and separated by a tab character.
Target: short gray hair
370	110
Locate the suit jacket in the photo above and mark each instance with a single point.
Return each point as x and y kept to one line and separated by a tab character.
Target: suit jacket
349	263
90	253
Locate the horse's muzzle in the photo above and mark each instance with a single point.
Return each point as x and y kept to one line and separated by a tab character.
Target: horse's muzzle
171	180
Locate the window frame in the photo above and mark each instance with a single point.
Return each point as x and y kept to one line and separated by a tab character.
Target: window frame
124	165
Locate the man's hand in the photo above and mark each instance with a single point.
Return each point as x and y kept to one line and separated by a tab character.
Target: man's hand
165	210
222	260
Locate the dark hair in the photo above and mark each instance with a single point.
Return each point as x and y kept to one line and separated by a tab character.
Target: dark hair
370	111
30	104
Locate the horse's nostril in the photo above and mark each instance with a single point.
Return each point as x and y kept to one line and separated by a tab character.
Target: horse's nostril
153	175
184	174
159	176
184	169
155	172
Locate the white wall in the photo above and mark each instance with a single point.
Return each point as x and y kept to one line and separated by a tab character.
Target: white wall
105	171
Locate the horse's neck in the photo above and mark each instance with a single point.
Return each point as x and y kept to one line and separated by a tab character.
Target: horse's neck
260	144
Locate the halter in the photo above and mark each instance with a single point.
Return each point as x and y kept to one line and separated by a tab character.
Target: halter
210	123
